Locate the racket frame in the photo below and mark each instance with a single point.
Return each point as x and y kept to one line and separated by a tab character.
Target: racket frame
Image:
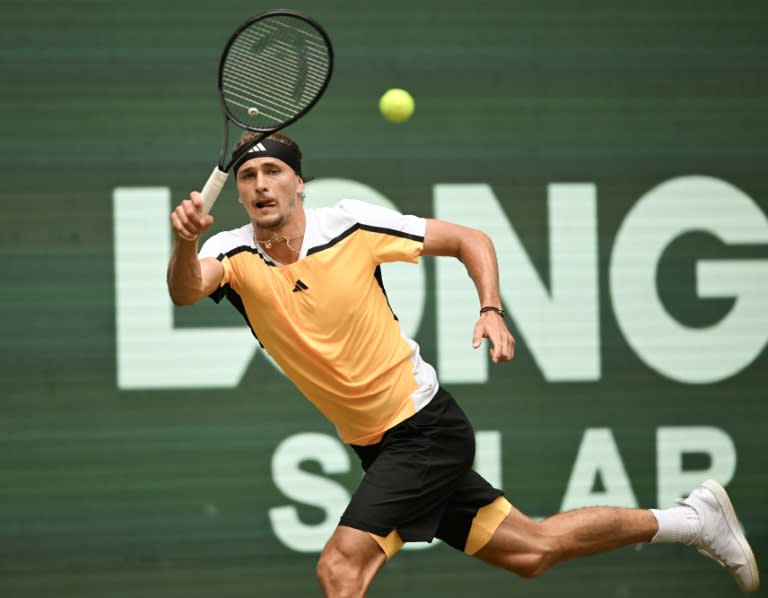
217	179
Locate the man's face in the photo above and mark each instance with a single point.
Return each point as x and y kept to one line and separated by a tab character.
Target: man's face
269	190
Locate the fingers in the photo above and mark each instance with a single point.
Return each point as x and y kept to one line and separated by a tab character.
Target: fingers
503	349
187	219
495	330
477	337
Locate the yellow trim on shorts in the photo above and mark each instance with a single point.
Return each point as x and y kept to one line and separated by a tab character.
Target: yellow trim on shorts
389	544
487	520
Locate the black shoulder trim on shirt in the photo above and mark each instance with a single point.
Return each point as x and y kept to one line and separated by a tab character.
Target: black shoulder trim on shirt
390	231
244	249
366	227
333	241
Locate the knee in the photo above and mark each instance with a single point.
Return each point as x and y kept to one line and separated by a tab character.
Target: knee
329	567
539	557
523	546
533	564
336	575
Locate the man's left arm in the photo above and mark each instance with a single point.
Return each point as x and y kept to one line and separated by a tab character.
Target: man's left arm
475	250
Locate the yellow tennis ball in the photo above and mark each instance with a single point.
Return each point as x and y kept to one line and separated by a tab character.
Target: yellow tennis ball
397	105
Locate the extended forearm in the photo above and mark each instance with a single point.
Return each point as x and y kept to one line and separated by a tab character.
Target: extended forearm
478	255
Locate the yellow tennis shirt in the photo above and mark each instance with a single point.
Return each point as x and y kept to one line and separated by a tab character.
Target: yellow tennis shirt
325	319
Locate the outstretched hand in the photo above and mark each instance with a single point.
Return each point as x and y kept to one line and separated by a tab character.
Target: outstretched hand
492	326
187	218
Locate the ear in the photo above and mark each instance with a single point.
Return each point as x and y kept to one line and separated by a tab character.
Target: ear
239	195
300	187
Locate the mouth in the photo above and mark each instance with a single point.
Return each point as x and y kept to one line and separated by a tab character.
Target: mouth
266	203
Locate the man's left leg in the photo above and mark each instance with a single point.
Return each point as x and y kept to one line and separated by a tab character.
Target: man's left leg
350	560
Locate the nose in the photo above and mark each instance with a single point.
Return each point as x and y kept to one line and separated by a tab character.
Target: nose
260	181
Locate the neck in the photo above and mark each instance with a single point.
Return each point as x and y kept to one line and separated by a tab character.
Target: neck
291	243
273	237
283	245
289	225
282	242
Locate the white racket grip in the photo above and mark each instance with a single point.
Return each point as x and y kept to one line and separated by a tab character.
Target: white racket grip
212	188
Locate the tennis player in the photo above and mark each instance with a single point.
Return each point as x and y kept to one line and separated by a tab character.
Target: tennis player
308	283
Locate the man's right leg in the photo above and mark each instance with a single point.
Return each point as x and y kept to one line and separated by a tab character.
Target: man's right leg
705	520
719	535
527	547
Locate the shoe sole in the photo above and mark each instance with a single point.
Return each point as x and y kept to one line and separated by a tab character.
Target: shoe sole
733	523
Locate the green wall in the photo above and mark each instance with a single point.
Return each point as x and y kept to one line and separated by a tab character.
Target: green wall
108	489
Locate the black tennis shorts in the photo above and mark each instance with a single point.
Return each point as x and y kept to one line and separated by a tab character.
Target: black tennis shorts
419	478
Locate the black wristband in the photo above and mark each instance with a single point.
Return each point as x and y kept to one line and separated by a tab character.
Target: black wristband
487	308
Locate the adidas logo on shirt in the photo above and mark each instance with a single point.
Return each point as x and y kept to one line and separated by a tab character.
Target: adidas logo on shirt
300	286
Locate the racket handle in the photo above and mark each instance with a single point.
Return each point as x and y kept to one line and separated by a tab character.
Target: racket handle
212	188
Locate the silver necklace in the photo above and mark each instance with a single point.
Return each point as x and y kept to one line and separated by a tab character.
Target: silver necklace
275	238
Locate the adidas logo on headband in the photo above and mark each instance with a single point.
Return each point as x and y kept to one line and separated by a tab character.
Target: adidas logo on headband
269	148
259	147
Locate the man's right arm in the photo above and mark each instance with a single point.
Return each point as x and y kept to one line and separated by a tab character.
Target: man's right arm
189	278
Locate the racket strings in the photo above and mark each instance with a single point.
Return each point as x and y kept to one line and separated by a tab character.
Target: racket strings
276	67
240	84
282	78
275	92
285	72
250	45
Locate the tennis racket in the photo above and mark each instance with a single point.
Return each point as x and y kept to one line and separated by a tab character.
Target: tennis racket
273	70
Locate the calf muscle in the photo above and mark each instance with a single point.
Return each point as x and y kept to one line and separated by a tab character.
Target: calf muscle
528	548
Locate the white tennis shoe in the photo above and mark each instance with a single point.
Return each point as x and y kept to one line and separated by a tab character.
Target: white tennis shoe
721	537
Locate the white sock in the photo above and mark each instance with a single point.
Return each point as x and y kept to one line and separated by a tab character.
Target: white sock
676	524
